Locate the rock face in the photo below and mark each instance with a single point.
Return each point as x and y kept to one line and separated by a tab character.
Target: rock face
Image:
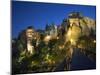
72	28
79	26
40	48
91	24
73	34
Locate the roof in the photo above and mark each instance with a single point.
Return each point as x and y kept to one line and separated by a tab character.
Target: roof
75	15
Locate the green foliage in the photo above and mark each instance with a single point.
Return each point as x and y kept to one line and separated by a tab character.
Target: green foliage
44	58
47	56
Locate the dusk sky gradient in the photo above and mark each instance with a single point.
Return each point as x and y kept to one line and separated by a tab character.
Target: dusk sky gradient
37	14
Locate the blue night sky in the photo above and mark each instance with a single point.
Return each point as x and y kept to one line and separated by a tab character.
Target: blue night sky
35	14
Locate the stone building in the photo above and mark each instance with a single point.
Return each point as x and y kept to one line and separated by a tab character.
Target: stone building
30	36
51	30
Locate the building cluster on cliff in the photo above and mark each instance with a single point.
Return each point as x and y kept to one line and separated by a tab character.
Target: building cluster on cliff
69	33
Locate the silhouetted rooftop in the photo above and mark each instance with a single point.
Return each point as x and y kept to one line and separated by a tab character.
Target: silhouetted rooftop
75	15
